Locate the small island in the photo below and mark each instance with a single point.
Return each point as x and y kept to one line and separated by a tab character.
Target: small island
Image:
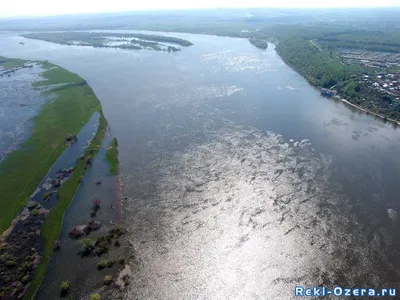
259	43
134	41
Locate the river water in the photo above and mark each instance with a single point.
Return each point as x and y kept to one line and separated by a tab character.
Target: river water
242	181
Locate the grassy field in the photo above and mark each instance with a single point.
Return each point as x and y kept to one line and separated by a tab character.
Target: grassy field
23	169
112	157
53	223
11	63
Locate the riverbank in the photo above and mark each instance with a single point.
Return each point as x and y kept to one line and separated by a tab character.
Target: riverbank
367	111
71	103
337	97
53	223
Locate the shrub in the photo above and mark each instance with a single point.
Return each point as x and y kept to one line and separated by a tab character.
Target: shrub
95	297
35	212
107	279
64	288
11	263
117	230
101	264
26	279
47	196
110	263
88	245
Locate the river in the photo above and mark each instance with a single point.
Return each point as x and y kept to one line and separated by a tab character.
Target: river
242	181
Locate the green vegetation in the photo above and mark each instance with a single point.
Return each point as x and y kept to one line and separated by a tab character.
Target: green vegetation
159	38
95	297
52	224
64	288
105	264
324	67
108	279
318	68
101	244
23	169
72	108
11	63
112	40
102	264
112	157
262	44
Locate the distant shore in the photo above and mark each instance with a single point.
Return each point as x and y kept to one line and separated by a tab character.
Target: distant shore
338	97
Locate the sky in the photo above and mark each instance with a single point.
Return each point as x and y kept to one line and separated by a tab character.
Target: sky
11	8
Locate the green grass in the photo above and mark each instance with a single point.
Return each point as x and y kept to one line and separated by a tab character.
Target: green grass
56	75
69	110
112	157
23	169
11	63
53	223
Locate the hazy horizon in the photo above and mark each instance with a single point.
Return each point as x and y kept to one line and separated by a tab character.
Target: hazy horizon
41	8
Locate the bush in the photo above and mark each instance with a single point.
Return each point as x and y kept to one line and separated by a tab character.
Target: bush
101	264
11	263
35	212
64	288
47	196
110	263
26	279
107	279
88	245
95	297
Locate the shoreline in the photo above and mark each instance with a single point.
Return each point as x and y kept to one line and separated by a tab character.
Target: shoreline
347	102
338	97
83	103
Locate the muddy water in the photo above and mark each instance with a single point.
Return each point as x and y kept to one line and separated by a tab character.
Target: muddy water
242	181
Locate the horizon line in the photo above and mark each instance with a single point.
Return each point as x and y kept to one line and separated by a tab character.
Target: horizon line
195	9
